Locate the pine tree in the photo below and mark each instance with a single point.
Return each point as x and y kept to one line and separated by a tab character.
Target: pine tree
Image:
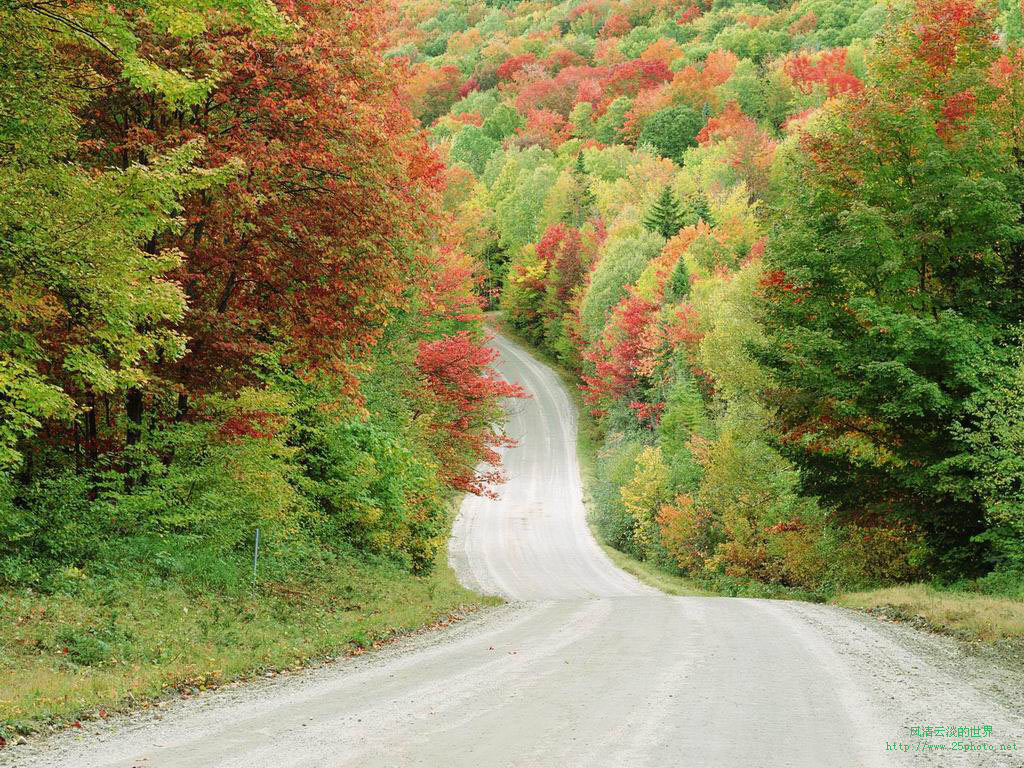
679	283
665	217
583	204
697	209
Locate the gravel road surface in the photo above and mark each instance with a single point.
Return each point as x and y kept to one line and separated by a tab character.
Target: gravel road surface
584	667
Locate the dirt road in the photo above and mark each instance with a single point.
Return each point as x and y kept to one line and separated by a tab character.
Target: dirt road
586	666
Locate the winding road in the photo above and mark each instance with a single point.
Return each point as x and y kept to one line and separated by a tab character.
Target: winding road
586	666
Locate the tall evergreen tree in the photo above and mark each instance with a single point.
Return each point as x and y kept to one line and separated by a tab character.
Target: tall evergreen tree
679	282
583	203
665	216
697	209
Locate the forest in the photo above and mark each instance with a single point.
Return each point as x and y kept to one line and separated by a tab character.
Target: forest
229	299
249	250
231	302
779	245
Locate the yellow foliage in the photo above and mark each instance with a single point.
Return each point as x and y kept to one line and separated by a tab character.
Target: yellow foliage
644	494
732	327
680	527
802	559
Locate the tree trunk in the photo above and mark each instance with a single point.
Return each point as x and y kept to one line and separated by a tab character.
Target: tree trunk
134	407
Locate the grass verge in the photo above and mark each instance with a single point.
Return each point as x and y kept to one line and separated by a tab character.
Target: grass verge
655	576
967	616
115	644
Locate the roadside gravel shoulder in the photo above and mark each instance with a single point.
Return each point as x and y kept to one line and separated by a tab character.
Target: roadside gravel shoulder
918	678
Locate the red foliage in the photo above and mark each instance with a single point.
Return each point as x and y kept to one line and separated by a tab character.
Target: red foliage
698	87
258	425
302	247
732	123
469	118
691	13
615	25
616	358
457	372
806	23
593	8
468	87
511	66
554	94
561	248
943	27
786	526
590	91
630	78
956	110
544	127
753	149
682	330
561	58
775	286
829	69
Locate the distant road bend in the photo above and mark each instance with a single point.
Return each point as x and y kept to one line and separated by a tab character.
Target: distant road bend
586	666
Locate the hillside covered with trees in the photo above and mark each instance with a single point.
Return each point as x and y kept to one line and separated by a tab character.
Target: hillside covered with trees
780	244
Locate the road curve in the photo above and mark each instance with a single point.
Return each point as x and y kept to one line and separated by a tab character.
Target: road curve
586	667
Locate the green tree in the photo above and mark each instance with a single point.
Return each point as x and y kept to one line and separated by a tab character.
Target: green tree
608	127
672	131
473	147
619	266
994	435
86	300
895	265
679	282
697	209
502	122
582	202
665	217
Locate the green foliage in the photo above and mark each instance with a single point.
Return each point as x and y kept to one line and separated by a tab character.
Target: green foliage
615	467
503	122
885	295
73	249
995	456
638	40
518	195
642	497
582	203
679	283
757	44
685	415
473	147
608	127
665	217
619	265
672	131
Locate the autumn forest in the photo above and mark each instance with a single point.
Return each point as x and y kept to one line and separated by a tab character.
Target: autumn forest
251	251
779	245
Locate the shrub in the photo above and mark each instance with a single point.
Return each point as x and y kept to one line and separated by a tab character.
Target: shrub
643	497
615	467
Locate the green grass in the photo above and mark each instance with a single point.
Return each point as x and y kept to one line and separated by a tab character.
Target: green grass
655	576
117	643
